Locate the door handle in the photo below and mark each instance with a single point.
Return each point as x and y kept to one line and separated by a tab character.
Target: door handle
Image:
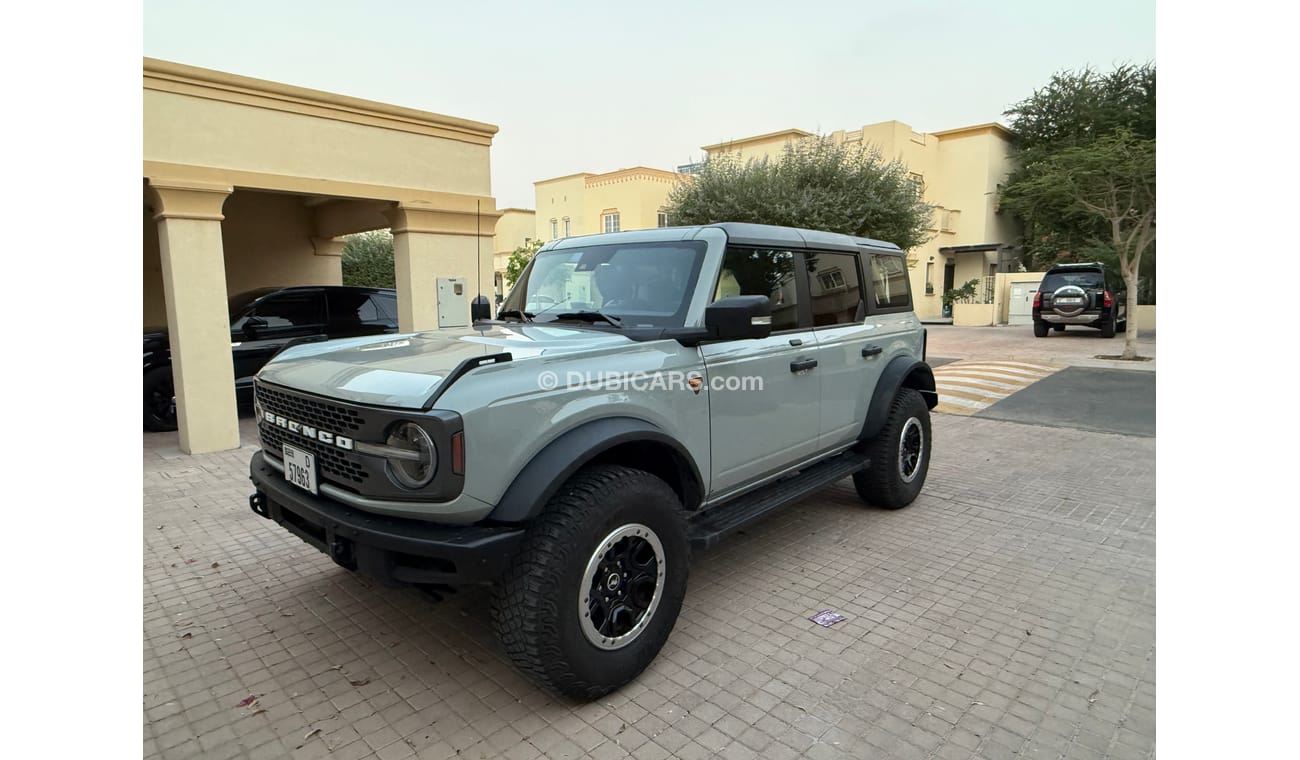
870	351
799	365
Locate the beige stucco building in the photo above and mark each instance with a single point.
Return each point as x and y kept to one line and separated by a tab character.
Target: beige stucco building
959	171
250	183
515	227
585	203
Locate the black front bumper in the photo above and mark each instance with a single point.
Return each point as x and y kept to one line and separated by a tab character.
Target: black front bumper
394	551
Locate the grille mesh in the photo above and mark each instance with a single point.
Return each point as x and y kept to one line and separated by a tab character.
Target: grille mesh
310	411
335	464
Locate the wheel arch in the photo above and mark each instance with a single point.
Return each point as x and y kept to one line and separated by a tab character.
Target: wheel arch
627	441
901	372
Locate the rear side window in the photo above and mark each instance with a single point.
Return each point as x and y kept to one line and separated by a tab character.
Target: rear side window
385	305
357	308
762	272
835	288
889	291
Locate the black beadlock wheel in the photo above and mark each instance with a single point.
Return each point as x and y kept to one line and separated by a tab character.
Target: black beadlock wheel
597	585
900	455
159	400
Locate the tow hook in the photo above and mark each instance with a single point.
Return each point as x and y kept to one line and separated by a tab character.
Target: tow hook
341	553
257	502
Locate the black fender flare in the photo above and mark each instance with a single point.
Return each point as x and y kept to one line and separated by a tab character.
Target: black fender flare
901	372
538	481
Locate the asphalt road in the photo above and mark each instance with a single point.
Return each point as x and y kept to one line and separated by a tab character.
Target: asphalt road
1085	398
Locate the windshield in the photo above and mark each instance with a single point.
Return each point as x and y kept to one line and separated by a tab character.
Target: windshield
241	301
637	284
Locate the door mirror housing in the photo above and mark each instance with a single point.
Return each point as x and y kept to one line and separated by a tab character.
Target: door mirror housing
252	325
739	318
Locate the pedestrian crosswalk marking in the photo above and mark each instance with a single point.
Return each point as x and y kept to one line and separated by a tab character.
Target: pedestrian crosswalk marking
966	387
984	380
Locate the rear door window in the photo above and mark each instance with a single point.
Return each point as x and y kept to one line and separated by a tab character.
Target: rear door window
834	288
295	309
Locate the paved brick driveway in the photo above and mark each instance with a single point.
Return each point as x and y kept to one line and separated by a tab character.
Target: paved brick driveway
1009	612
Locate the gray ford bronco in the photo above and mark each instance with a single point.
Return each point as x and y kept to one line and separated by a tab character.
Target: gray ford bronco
639	396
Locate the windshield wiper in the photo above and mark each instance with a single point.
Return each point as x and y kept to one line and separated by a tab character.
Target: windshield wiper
522	315
590	316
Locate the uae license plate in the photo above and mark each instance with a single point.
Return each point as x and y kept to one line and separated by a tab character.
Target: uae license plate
300	468
1069	300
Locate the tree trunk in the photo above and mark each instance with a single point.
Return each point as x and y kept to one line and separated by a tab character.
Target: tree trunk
1130	315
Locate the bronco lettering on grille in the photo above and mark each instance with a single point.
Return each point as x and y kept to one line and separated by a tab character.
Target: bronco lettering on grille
307	431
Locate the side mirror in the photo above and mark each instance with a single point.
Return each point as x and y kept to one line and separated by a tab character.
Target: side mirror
480	309
739	318
252	325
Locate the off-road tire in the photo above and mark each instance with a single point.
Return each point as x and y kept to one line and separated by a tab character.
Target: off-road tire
883	483
158	381
1108	327
536	604
1040	329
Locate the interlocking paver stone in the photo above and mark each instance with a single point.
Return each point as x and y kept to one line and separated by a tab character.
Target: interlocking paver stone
1011	609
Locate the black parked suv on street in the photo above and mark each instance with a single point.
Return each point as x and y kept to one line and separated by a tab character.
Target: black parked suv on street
1080	294
262	322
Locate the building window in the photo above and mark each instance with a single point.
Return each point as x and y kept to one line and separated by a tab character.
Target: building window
662	220
566	226
611	222
554	230
831	280
918	183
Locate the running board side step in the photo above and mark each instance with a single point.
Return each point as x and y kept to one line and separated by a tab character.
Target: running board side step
709	526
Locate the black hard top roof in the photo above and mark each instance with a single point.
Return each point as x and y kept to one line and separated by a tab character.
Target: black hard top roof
745	233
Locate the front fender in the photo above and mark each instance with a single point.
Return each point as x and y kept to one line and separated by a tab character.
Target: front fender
538	481
901	372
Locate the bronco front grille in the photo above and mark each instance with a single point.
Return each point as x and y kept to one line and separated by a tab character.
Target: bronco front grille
316	413
335	464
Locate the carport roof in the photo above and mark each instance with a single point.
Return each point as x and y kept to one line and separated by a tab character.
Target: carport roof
178	77
977	248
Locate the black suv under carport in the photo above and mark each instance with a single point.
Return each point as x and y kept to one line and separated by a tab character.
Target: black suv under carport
261	323
1080	294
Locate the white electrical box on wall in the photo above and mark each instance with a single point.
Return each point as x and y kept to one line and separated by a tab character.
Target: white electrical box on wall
453	302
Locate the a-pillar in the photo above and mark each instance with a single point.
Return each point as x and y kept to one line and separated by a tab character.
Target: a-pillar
431	243
198	319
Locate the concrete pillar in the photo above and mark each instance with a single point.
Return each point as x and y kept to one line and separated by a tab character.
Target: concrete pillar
194	287
430	243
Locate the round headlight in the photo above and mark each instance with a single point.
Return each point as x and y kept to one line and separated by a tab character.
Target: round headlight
415	460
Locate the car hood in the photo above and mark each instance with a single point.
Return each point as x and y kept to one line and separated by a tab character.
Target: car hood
404	370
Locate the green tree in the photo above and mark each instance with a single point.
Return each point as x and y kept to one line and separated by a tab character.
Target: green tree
1110	185
815	184
519	259
368	259
1075	110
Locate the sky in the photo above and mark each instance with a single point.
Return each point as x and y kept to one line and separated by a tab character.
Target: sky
583	86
